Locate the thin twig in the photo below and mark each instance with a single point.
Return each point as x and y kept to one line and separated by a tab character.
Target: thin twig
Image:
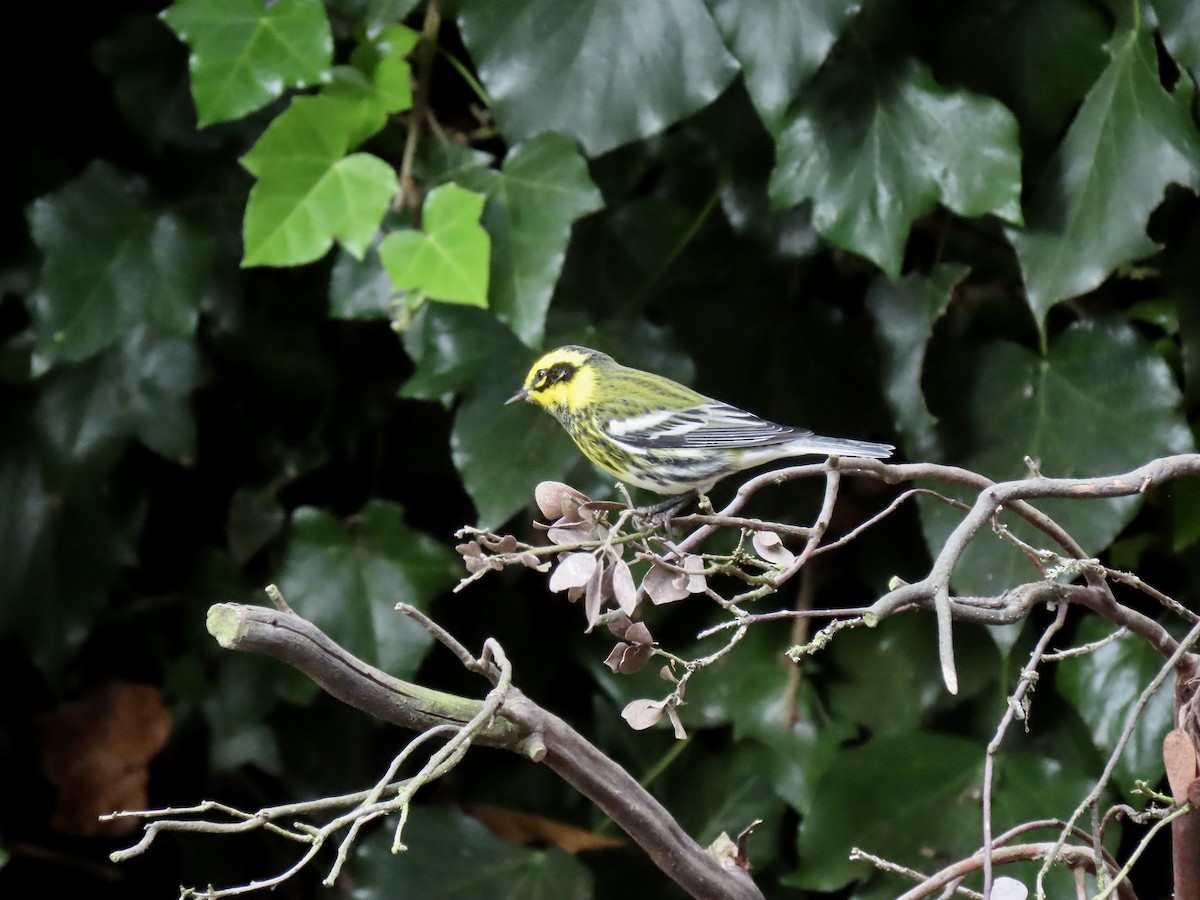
1130	722
1015	702
1084	649
409	195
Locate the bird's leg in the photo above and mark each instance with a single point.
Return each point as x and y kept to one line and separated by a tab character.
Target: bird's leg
664	510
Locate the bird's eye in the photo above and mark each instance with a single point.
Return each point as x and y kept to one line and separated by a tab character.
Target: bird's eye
540	376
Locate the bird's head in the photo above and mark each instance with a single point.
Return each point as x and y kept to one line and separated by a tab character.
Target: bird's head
562	380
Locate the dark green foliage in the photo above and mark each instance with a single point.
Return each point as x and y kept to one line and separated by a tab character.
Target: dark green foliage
241	344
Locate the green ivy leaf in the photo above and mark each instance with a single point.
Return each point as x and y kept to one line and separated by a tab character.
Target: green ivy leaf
875	146
542	188
1100	402
139	57
598	70
139	388
61	550
750	695
454	857
907	791
755	31
1104	686
245	53
1054	50
888	679
359	288
347	576
309	192
112	263
1185	512
236	709
447	261
1088	215
737	791
1179	23
453	348
382	13
383	61
501	452
905	312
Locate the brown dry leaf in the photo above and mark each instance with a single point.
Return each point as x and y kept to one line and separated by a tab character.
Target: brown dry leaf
770	547
664	586
619	625
557	500
525	828
694	566
625	659
623	587
641	714
1179	759
638	633
593	598
575	570
96	750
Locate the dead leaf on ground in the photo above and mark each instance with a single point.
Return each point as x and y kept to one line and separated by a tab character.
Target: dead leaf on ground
96	752
526	828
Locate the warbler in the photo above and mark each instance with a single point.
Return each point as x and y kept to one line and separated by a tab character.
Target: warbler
657	434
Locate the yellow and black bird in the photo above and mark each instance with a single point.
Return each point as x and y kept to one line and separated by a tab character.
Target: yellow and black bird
657	434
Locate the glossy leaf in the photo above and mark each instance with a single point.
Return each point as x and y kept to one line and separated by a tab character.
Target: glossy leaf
889	680
112	262
454	347
383	64
346	577
61	554
1088	215
876	146
909	793
448	259
598	70
310	193
501	452
542	188
139	389
905	312
359	288
1038	58
753	32
1101	402
140	59
382	13
236	708
1104	686
246	53
454	857
1179	21
1051	53
751	694
1185	513
737	790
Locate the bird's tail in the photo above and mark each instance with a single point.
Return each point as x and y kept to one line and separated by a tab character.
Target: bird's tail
816	443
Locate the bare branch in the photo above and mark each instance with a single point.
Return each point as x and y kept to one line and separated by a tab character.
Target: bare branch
1073	856
1130	721
508	720
1016	702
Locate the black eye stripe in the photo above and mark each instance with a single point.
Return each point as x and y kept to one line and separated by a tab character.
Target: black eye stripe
556	374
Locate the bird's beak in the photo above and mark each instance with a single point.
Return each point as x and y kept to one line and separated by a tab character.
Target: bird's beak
522	394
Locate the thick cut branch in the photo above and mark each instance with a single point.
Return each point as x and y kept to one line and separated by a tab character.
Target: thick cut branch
520	725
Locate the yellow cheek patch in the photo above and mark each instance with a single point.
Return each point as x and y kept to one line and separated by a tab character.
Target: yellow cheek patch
572	394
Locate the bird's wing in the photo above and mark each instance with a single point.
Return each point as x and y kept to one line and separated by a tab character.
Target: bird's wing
705	425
